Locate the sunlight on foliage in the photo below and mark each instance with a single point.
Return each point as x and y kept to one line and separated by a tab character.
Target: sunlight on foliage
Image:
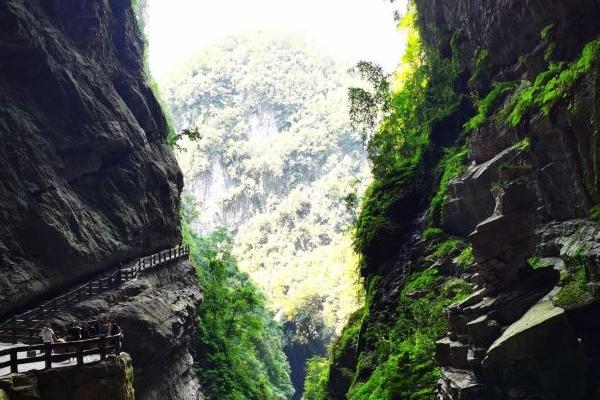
549	86
239	346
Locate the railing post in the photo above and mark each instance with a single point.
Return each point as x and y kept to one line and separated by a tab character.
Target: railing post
48	355
90	288
14	330
79	353
102	347
14	363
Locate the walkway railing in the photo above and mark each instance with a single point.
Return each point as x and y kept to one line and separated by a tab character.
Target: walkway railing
24	327
60	352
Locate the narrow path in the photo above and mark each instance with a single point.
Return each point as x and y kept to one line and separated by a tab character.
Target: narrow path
18	335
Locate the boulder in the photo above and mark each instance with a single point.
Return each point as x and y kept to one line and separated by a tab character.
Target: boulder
537	355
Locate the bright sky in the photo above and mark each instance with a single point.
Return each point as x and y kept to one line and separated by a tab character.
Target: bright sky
351	29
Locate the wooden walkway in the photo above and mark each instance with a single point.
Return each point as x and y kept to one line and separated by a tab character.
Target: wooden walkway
25	327
45	355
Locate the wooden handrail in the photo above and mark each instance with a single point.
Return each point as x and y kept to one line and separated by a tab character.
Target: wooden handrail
101	346
30	320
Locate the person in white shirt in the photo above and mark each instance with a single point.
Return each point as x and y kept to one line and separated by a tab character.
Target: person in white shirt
47	334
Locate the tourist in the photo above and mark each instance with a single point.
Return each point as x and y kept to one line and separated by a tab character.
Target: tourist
74	332
94	328
85	330
47	334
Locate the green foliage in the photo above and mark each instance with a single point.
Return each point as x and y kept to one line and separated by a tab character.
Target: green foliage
545	33
523	145
549	86
447	247
431	233
465	259
485	105
402	360
452	166
573	291
481	56
239	346
573	280
594	213
537	263
421	94
376	223
273	118
317	374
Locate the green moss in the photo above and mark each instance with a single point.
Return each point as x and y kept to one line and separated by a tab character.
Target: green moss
383	212
594	213
549	86
523	145
349	335
485	106
446	248
549	52
431	233
481	56
537	263
465	259
401	361
451	166
545	33
574	291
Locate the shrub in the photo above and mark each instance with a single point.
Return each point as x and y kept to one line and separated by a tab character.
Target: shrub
431	233
451	166
594	213
447	247
465	259
549	86
485	106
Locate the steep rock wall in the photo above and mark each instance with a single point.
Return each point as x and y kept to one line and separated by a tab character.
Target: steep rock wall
524	205
109	379
157	313
524	201
86	176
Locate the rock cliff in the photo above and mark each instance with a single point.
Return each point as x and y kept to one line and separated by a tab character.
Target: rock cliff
88	181
517	222
526	331
87	176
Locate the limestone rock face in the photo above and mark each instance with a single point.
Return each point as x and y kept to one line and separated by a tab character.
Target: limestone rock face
110	379
157	313
86	176
537	356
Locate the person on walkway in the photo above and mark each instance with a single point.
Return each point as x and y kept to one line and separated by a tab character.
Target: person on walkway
85	331
47	334
74	332
94	328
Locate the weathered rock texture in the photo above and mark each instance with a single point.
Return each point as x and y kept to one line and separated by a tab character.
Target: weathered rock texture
87	180
517	336
110	379
86	176
157	313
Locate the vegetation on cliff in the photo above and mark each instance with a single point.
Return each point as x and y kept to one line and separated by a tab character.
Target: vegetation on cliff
387	350
239	349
